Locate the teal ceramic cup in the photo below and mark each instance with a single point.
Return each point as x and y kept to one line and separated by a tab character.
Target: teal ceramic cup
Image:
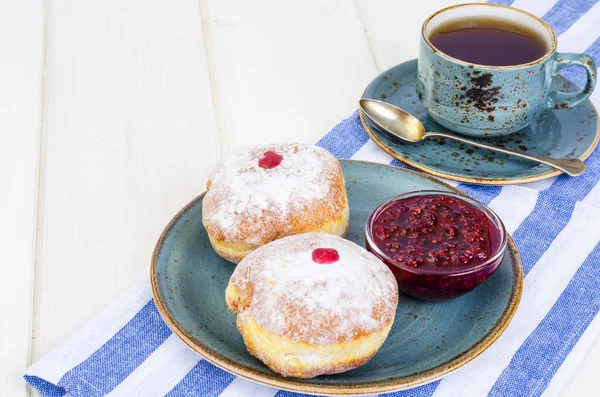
488	101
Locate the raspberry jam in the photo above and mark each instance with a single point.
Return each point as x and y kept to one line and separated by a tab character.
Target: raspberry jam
439	245
325	256
270	159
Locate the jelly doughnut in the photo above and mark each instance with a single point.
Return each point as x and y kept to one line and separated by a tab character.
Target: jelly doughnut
312	304
261	193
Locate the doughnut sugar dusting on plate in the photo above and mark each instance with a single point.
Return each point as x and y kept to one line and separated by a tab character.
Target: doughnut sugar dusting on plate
260	193
290	294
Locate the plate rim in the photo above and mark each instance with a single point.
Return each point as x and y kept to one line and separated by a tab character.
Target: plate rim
459	178
291	384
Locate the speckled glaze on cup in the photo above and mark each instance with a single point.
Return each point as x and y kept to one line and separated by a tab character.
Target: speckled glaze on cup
489	101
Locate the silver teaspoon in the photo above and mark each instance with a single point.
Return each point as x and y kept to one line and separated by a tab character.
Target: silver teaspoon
405	126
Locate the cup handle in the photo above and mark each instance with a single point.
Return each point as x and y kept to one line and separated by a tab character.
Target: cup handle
562	100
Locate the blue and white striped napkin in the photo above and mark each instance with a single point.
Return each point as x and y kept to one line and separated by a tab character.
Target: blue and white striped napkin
127	350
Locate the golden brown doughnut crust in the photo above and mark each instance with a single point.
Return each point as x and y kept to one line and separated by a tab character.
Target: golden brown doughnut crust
247	206
305	319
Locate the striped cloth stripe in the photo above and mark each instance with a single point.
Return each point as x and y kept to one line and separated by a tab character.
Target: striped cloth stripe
128	351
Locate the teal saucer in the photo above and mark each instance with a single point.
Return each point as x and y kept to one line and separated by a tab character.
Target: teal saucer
427	340
569	133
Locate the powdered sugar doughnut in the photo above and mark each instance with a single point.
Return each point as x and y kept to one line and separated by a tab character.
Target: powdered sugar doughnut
261	193
312	304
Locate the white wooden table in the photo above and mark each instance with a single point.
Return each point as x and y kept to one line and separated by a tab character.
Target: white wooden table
113	112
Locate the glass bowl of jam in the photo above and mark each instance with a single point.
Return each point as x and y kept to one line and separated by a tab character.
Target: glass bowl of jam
438	244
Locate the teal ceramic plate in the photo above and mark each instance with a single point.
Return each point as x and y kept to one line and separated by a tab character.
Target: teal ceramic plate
569	133
427	339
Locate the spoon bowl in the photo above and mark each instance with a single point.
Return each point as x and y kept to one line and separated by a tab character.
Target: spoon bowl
393	120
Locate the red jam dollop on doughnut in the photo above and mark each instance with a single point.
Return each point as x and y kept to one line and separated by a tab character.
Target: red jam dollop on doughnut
270	159
325	256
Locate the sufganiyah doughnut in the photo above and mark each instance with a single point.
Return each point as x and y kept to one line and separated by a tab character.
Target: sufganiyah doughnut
261	193
312	304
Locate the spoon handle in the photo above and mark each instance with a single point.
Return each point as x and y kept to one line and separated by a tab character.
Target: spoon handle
573	167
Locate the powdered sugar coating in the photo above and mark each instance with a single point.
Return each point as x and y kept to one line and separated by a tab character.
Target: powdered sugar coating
252	205
291	295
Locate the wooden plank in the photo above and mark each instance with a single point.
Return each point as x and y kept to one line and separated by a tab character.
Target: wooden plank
394	27
131	138
287	70
21	40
